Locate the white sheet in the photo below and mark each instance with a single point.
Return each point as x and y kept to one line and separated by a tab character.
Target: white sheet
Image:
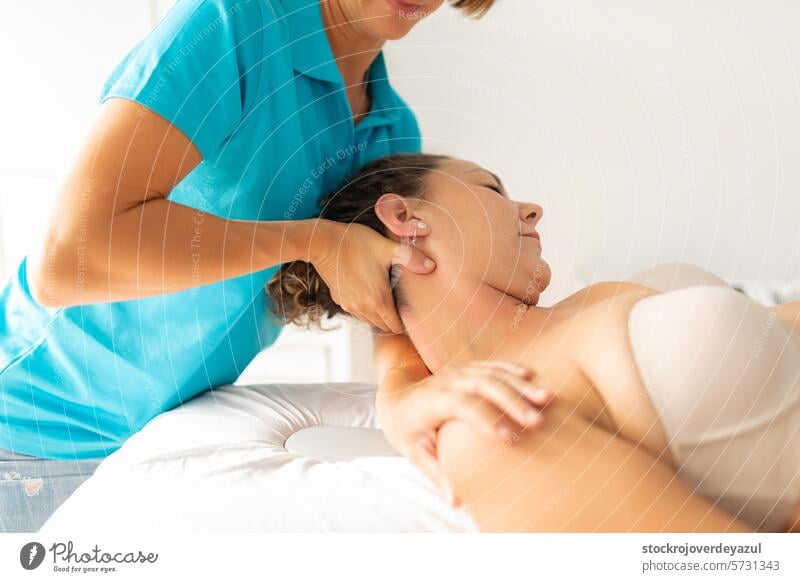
218	463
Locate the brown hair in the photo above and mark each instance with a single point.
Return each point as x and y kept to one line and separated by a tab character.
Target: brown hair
298	293
475	8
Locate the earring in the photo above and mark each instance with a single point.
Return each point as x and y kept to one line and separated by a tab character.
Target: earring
423	225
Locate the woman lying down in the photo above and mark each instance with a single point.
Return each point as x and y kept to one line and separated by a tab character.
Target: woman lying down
690	450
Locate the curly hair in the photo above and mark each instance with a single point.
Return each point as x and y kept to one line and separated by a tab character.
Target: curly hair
297	292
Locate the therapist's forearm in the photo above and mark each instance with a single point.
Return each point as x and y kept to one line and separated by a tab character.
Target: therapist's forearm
160	247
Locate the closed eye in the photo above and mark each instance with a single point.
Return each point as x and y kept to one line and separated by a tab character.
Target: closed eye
496	188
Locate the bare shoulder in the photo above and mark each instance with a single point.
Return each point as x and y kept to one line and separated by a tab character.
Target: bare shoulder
615	292
605	356
604	307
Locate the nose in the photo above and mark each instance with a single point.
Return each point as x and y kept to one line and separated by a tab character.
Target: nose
530	213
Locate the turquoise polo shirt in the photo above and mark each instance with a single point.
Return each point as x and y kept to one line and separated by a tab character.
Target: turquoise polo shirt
254	85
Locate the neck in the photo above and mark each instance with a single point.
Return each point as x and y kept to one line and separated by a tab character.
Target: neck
353	47
451	319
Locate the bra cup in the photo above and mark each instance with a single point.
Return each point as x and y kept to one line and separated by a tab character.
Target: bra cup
712	345
724	374
666	277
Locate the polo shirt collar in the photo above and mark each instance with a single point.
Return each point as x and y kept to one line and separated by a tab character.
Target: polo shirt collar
312	56
385	106
311	51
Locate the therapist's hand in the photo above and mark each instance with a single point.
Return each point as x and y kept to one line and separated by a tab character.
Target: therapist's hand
496	397
354	262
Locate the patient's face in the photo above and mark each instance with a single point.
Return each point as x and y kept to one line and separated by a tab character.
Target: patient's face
476	227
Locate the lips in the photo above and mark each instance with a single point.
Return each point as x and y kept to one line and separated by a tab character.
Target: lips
533	234
404	6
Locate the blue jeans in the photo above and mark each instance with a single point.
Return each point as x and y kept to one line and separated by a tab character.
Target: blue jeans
32	488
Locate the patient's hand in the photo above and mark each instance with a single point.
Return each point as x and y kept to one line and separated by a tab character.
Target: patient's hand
494	396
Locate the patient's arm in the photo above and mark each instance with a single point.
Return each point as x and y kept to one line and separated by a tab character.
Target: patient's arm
495	397
397	364
570	475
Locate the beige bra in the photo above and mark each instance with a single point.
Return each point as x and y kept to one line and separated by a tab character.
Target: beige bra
724	374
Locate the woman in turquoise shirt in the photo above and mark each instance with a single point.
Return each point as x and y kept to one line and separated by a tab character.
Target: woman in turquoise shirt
217	134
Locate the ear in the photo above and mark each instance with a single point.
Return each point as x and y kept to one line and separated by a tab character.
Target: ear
401	216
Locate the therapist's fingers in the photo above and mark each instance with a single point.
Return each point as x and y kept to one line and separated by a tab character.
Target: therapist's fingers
412	259
360	310
374	320
383	326
368	316
388	313
380	312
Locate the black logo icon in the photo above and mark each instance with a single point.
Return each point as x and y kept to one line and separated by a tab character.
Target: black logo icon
31	555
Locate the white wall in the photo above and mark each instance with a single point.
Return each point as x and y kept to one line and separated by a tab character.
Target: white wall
55	57
650	131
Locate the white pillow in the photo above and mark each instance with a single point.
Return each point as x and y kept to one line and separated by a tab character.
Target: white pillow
218	463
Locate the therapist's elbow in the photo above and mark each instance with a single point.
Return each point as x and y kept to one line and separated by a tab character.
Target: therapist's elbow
45	283
54	276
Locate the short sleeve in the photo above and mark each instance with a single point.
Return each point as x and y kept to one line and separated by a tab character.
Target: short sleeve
198	68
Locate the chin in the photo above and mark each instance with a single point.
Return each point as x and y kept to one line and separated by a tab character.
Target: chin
394	30
532	284
542	275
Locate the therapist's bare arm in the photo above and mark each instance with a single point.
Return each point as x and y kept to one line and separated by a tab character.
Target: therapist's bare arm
115	236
